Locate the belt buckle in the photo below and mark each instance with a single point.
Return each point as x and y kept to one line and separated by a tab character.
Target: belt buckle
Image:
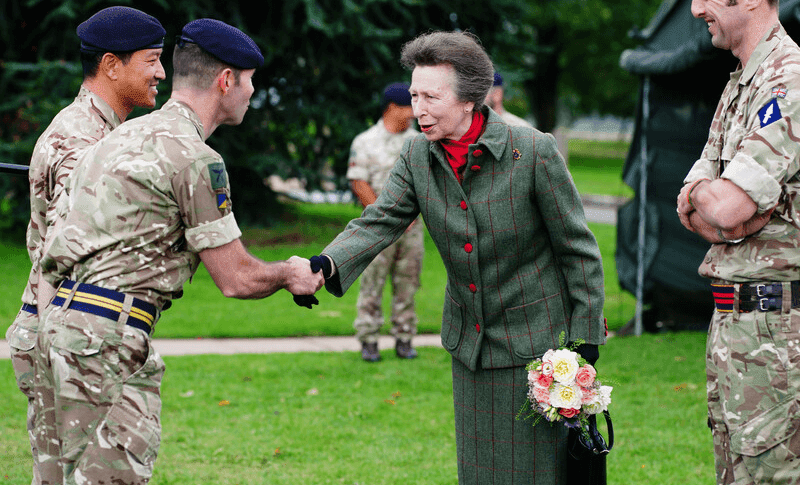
763	304
761	291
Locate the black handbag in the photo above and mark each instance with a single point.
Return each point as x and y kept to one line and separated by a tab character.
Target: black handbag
586	461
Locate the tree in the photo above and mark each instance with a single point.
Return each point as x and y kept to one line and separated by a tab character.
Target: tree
572	55
326	64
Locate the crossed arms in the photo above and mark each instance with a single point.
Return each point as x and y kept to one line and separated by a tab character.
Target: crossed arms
719	211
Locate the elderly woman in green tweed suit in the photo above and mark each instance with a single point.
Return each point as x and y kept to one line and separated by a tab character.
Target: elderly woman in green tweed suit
522	265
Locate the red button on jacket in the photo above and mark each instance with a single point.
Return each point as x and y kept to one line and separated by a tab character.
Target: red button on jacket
468	247
477	153
464	204
478	327
475	168
473	288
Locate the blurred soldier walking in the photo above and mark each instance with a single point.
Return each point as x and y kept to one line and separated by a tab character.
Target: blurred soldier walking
121	58
372	156
743	196
495	101
146	205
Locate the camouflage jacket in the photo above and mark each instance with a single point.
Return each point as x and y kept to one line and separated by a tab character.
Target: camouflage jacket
142	204
74	129
374	153
522	265
753	142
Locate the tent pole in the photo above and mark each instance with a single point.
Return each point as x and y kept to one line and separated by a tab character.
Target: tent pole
638	326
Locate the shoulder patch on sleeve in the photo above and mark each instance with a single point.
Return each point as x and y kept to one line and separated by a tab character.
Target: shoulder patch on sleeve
769	113
217	174
222	201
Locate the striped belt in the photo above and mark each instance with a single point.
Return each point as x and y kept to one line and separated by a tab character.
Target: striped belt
29	309
764	297
106	303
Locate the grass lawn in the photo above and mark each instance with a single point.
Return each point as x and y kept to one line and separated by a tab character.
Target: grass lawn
328	418
596	167
204	312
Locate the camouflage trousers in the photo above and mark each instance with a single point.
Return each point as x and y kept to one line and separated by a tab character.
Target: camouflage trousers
21	337
97	393
753	385
403	262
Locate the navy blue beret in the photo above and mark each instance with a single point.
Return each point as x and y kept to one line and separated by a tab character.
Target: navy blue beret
398	94
228	44
120	29
498	79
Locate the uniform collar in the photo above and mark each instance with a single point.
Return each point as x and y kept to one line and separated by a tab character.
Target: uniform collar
184	110
104	109
765	47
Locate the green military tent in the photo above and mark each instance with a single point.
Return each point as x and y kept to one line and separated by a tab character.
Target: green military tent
682	77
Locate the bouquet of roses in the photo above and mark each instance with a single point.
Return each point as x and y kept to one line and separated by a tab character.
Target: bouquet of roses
563	387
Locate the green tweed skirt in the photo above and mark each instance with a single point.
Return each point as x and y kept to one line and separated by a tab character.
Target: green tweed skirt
493	447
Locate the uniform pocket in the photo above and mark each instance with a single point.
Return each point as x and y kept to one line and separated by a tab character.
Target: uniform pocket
78	342
138	433
21	336
767	430
452	322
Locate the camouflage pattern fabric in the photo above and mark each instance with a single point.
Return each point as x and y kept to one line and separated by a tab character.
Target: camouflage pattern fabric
514	120
373	153
21	337
751	143
753	384
97	383
753	359
146	201
142	204
74	129
402	263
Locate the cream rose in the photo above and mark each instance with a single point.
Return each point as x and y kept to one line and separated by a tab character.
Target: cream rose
565	365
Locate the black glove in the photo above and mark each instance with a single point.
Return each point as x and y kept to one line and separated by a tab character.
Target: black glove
589	352
317	263
321	263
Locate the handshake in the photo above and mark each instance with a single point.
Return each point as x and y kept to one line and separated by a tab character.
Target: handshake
301	282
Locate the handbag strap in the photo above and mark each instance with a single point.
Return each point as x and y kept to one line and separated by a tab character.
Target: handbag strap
599	444
610	430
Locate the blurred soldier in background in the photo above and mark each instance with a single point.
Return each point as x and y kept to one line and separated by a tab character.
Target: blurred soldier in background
495	101
372	156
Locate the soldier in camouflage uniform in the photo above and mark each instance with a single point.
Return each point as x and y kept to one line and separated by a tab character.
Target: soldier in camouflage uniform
495	101
147	204
114	41
742	196
372	156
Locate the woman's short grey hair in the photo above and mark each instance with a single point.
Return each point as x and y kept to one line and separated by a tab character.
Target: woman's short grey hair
461	50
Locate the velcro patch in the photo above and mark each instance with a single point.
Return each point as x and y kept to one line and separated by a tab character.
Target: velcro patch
770	113
216	172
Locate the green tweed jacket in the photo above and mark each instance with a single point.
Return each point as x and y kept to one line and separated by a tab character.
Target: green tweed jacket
522	265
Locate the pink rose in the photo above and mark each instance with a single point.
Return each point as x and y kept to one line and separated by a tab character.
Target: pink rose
544	380
568	412
585	376
541	394
589	395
